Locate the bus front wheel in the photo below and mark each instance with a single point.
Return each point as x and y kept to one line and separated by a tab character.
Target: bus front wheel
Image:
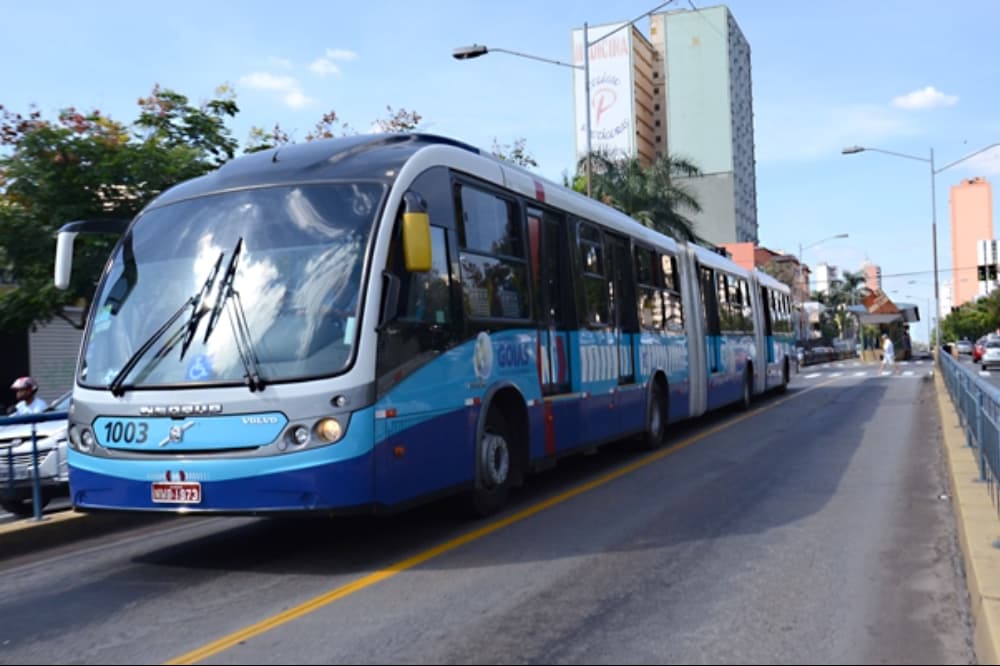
493	466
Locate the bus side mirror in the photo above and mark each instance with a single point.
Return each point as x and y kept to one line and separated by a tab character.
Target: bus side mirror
416	234
68	233
64	258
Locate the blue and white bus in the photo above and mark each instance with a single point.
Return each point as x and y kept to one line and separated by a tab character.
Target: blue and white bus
365	323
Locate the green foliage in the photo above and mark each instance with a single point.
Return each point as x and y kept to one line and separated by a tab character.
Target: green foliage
651	194
836	320
973	320
87	166
81	166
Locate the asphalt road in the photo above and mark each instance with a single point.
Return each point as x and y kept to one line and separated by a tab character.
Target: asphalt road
814	530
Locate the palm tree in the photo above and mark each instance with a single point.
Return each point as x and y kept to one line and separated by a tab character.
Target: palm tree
854	285
651	195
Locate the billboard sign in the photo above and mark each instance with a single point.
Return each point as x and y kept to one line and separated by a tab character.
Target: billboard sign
612	90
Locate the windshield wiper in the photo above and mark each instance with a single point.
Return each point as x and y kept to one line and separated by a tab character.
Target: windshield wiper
197	309
238	322
225	287
117	384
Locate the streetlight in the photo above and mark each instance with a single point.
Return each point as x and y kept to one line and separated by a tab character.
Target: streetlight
476	50
799	285
851	150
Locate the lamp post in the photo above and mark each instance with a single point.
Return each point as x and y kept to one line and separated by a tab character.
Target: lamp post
799	279
934	172
476	50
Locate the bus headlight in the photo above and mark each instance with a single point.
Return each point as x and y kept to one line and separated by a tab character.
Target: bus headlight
87	440
329	430
300	435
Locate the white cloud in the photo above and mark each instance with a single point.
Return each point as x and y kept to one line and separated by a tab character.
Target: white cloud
291	93
265	81
927	98
296	99
341	54
323	67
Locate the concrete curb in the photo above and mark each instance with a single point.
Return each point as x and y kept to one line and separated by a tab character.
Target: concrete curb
978	530
27	535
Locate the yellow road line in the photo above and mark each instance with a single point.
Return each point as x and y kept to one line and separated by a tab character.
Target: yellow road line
226	642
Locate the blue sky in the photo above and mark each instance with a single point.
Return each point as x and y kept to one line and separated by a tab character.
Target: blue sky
900	75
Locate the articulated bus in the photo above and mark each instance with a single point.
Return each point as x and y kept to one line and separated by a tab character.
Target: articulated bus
365	323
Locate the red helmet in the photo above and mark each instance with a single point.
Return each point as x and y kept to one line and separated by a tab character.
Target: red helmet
24	383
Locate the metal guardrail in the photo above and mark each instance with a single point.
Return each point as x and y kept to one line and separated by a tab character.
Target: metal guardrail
978	404
8	457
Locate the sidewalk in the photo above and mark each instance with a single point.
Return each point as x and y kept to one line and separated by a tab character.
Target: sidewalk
978	530
27	535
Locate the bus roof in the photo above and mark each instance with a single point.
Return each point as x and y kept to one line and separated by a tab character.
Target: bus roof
772	282
376	157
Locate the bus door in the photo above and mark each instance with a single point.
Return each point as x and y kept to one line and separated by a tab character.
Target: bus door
630	400
553	303
624	313
713	330
766	297
546	232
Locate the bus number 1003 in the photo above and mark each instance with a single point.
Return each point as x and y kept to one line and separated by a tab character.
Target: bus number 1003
116	432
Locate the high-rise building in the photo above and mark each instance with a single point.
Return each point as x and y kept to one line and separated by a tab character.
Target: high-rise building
707	99
685	92
826	275
873	275
971	222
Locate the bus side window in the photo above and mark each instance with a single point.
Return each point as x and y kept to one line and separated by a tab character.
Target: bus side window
426	297
420	328
594	287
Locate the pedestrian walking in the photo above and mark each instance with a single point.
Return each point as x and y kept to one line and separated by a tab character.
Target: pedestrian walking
888	355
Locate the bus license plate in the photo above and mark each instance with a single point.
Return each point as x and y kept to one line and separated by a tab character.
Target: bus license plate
188	492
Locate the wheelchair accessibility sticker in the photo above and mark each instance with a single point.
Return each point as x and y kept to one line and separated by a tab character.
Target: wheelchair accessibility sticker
200	368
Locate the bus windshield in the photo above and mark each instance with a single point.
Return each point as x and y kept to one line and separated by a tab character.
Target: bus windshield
295	255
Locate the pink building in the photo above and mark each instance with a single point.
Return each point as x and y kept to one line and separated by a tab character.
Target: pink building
750	256
741	253
873	276
971	221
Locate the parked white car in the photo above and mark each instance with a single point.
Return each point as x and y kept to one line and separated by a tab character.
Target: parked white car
991	354
16	456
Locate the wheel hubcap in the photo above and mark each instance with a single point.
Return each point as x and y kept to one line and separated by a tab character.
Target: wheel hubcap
495	461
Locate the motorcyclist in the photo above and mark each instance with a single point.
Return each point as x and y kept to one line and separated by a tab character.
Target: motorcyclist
28	402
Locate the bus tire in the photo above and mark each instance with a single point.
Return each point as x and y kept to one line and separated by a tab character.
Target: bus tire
784	377
656	419
494	465
746	399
